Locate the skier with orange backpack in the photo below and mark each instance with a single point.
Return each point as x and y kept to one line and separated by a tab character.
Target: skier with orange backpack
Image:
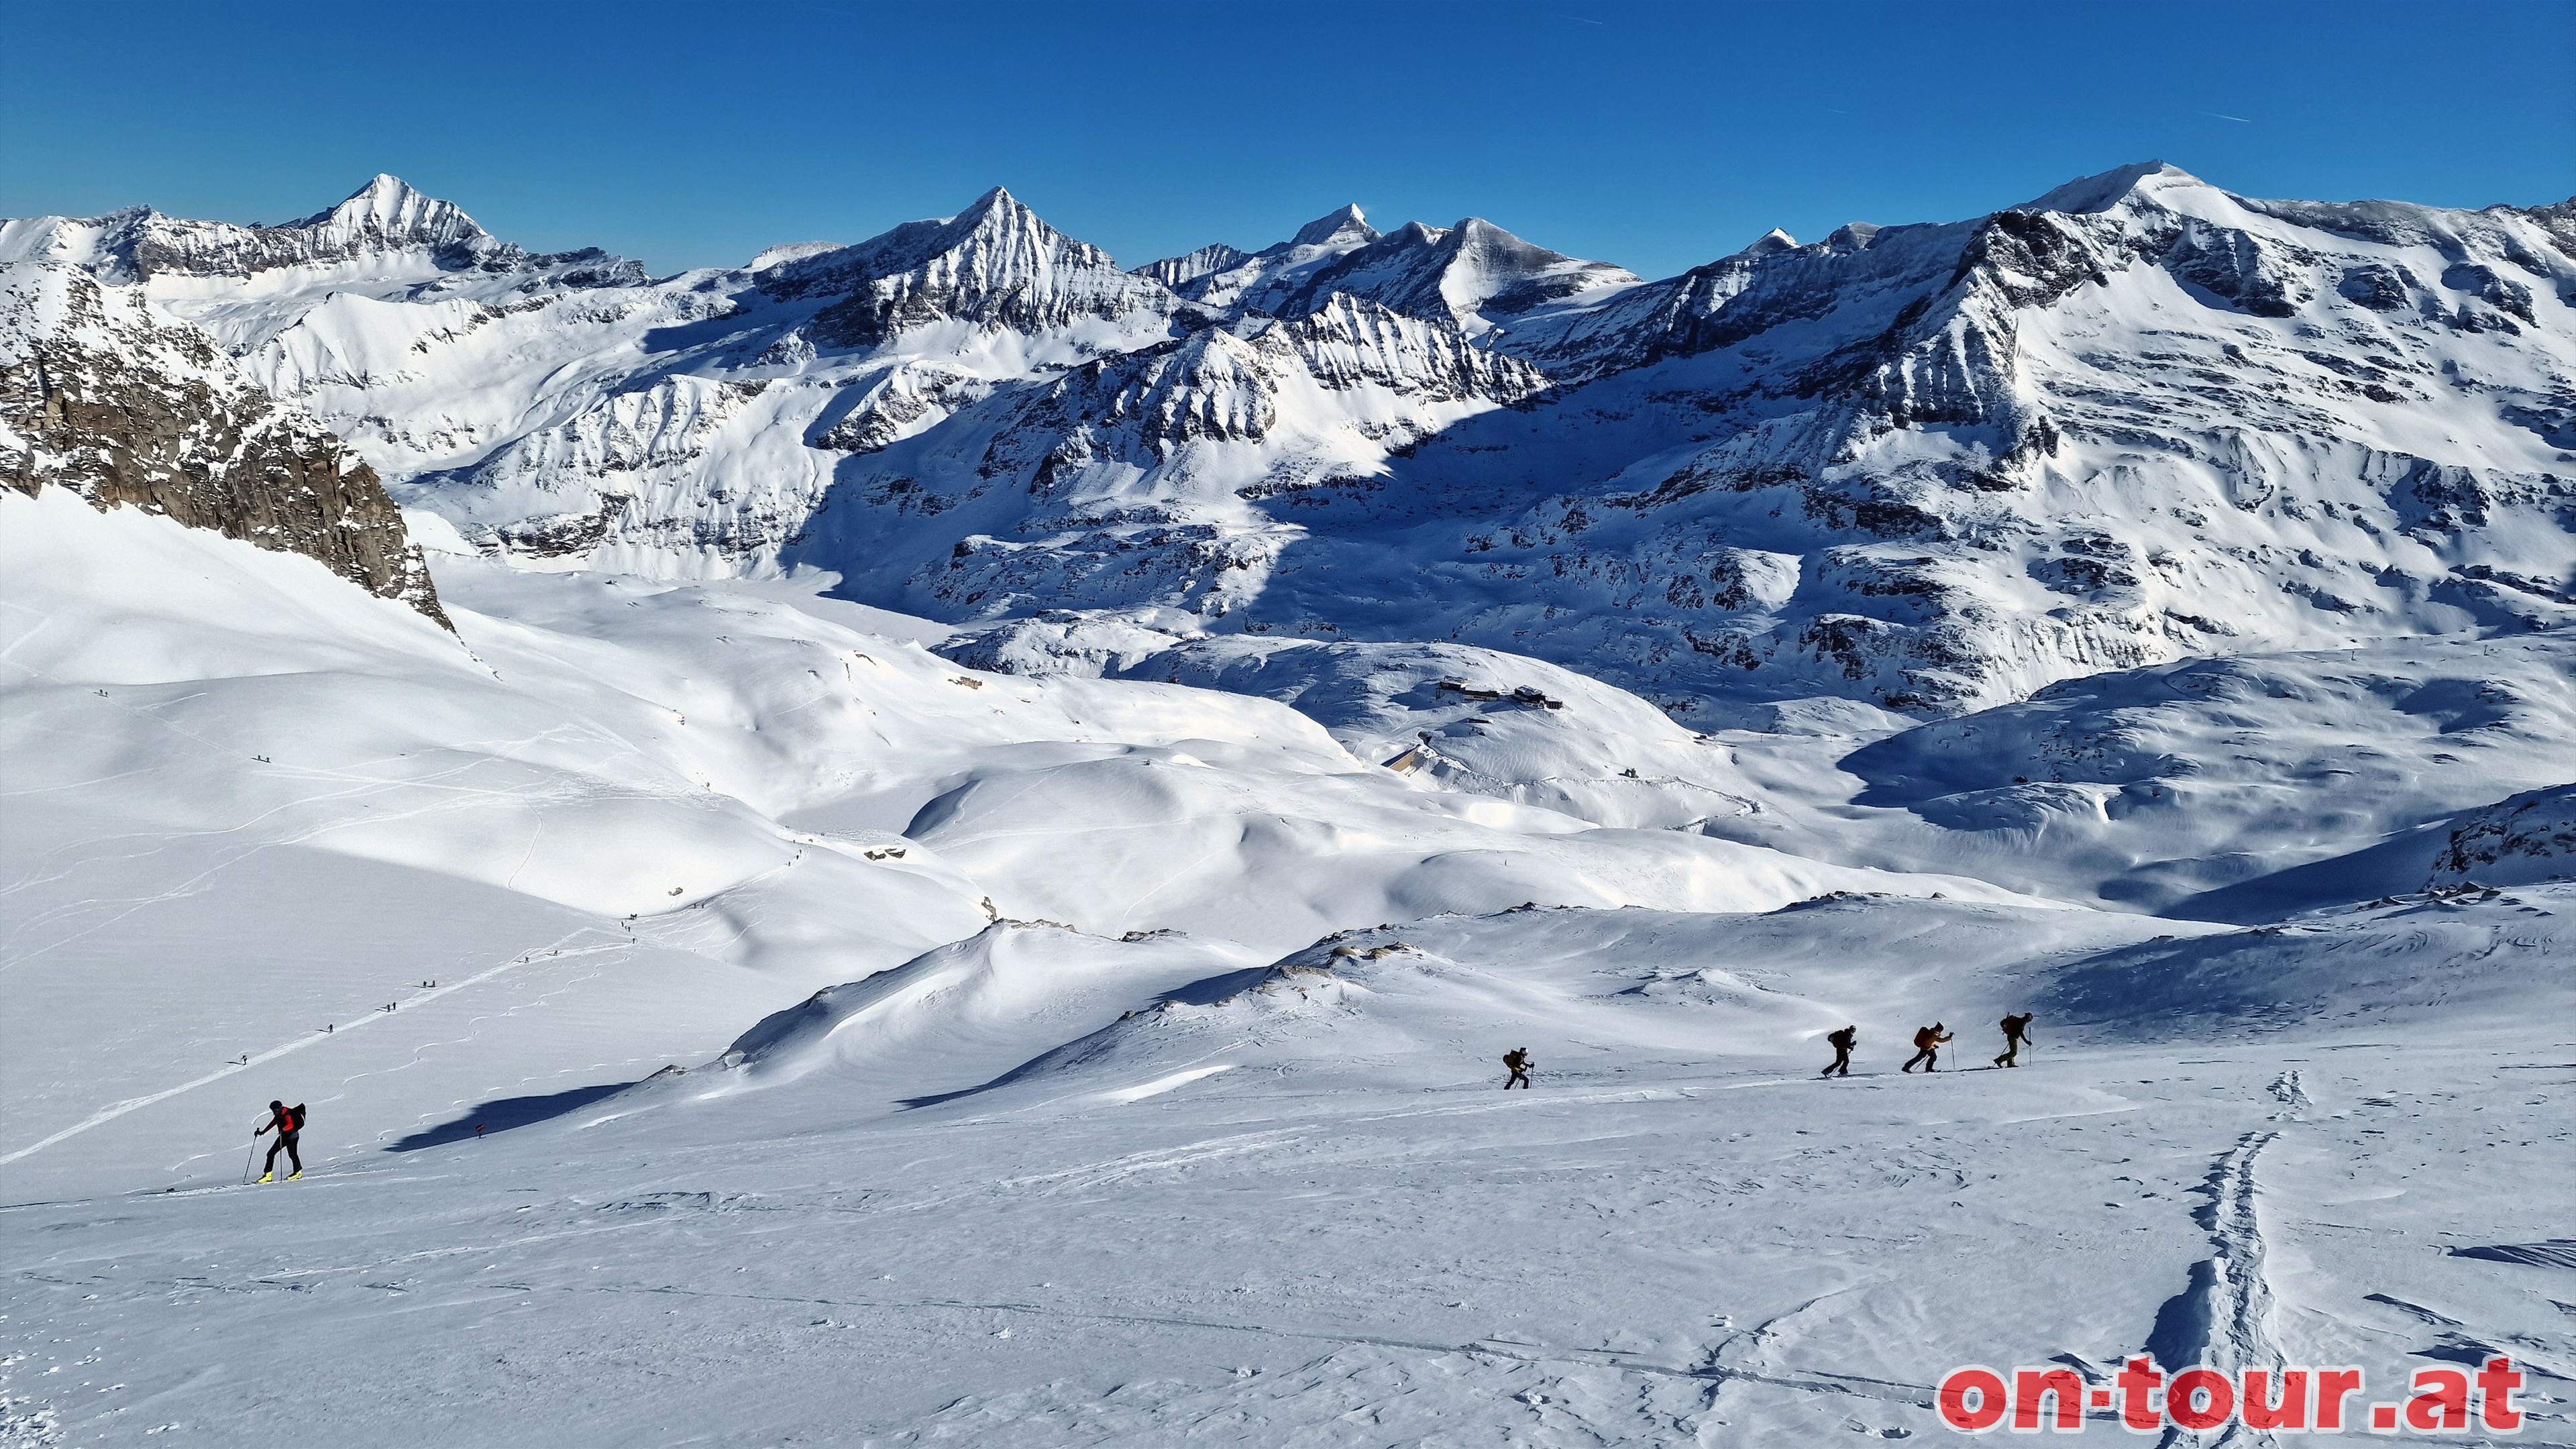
287	1122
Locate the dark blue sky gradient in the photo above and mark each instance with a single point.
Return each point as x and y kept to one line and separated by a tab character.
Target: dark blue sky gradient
1656	136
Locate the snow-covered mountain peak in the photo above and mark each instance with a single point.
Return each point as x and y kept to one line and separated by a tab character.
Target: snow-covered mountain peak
1933	465
1347	227
997	213
1469	274
995	236
995	265
1179	272
389	212
2108	189
1492	271
1273	280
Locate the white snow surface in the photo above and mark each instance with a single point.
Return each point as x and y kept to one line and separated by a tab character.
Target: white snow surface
873	1050
986	819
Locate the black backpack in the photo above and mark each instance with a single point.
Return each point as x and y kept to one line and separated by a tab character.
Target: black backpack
295	1118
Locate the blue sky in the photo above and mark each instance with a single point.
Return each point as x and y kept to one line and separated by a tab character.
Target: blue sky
1657	136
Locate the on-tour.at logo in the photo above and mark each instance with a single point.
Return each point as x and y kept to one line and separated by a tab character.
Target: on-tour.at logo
2144	1400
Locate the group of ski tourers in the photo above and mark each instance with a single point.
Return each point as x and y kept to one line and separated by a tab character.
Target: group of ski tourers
1927	1050
288	1122
1927	1046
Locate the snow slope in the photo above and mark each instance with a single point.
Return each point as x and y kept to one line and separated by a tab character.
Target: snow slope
1289	1207
1199	1140
739	798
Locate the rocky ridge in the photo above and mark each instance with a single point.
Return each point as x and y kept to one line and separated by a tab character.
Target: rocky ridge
1933	467
124	409
382	220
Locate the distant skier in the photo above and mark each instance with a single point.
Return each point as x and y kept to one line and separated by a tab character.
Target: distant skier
287	1122
1927	1048
1518	1060
1842	1042
2016	1034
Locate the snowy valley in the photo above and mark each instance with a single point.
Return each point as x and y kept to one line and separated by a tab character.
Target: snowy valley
935	840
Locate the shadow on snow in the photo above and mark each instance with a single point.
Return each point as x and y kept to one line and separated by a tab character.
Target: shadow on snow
503	1113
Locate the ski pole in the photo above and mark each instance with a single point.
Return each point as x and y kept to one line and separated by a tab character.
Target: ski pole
247	1161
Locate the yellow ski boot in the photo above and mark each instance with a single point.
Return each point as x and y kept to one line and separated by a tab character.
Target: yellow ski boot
267	1176
299	1172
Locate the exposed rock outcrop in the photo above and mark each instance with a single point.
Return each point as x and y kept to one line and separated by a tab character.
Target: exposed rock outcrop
99	397
2518	840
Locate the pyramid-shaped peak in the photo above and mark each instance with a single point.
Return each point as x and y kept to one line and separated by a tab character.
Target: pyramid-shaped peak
998	205
1000	220
1774	240
1347	225
997	214
391	209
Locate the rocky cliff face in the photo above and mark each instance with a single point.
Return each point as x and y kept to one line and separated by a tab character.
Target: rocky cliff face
101	398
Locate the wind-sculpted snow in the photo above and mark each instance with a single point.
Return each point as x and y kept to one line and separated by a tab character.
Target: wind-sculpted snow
1482	723
2231	789
751	796
701	988
2395	964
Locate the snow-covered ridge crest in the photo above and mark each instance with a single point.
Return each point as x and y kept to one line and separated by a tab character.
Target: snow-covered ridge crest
381	220
1934	466
1473	274
996	264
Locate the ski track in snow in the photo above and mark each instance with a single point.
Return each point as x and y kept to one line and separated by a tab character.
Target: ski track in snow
1230	1163
715	1210
309	1039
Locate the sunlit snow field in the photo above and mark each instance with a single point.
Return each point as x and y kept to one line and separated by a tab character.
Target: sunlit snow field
1115	1061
